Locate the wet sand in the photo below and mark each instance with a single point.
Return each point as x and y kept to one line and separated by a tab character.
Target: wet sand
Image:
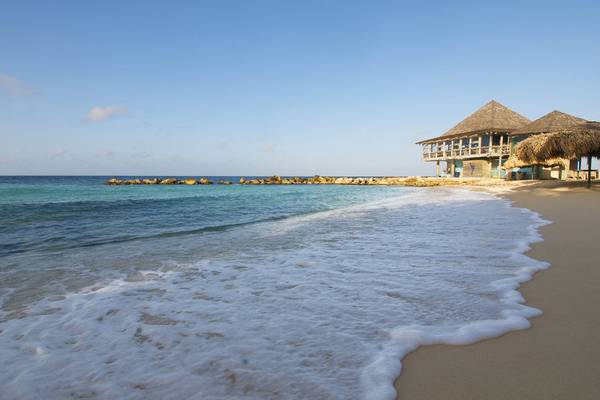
559	356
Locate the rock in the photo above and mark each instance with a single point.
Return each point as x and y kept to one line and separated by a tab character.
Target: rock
343	181
315	180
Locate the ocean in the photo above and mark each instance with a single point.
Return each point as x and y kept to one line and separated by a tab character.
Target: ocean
246	292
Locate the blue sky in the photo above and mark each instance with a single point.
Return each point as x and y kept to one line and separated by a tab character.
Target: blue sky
276	87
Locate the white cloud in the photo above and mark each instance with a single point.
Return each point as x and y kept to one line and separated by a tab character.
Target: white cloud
101	113
106	154
268	147
14	87
141	155
56	153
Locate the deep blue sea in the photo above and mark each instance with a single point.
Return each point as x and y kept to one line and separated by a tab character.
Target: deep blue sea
245	292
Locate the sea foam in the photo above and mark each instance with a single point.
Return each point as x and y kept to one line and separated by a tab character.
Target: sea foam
319	306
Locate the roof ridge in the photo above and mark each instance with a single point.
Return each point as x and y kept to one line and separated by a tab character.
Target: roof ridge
548	122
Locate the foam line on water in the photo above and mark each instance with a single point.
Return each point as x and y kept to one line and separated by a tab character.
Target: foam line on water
379	376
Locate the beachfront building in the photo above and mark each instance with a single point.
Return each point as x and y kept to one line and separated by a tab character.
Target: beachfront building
476	147
555	121
482	143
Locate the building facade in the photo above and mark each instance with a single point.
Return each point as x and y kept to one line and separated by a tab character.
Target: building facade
480	145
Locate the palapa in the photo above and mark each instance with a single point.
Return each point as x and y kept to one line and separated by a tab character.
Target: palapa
514	162
581	140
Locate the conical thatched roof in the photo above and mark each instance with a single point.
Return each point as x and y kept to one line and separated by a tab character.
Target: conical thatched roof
492	117
577	141
551	122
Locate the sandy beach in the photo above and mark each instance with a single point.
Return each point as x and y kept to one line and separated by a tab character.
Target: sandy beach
558	357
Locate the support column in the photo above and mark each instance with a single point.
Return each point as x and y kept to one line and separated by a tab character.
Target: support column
589	180
437	168
452	166
500	158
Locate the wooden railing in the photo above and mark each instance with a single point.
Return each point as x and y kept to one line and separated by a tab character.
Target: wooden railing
468	152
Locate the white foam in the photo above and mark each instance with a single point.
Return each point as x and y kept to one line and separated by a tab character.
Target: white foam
320	306
378	377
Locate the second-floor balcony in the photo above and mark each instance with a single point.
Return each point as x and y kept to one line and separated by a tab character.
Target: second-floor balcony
444	152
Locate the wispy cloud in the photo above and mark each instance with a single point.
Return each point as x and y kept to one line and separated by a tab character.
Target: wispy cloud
101	113
141	155
14	87
57	153
268	147
106	154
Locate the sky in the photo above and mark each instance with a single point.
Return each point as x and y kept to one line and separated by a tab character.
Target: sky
276	87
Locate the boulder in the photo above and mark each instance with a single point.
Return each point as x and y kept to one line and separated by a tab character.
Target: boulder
343	181
190	181
168	181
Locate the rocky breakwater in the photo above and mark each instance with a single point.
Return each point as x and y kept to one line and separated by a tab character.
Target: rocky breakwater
315	180
331	180
163	181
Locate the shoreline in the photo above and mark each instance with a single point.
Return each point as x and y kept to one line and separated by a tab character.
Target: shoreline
557	356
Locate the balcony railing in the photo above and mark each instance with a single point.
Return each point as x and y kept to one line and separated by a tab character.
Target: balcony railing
468	152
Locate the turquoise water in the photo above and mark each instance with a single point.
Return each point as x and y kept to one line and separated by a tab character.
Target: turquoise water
245	292
44	214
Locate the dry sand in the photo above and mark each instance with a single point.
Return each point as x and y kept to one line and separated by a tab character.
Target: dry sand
559	356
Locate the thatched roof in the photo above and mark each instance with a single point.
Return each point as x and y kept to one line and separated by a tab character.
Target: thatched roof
492	117
578	141
515	162
551	122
